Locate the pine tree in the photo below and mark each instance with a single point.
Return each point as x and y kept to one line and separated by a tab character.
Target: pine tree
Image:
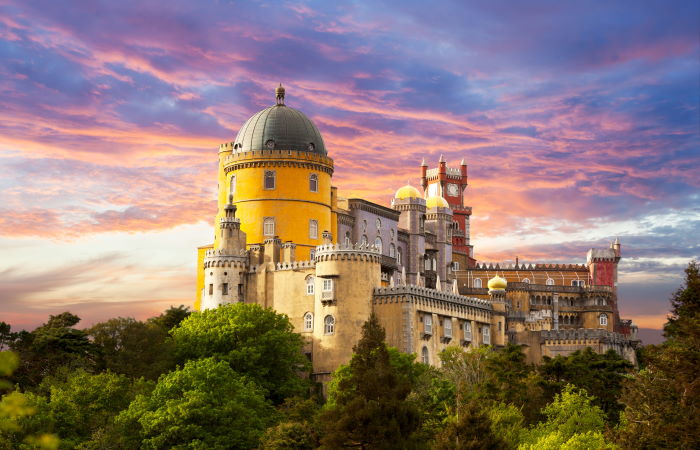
369	408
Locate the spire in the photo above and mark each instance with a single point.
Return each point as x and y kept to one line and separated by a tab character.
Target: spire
442	159
423	164
455	288
463	163
279	95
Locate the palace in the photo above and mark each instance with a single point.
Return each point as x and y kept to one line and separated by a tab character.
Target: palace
285	239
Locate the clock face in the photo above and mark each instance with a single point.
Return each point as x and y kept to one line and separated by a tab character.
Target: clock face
453	190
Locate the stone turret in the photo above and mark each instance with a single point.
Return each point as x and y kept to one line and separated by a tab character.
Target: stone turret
412	219
226	264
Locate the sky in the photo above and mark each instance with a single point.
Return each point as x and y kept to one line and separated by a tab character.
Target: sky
579	121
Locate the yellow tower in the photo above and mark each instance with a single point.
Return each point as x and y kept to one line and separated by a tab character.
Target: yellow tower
279	175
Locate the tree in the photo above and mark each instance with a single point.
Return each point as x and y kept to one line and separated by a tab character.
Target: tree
6	336
471	429
600	375
205	404
50	346
256	342
171	317
572	418
663	400
133	348
369	409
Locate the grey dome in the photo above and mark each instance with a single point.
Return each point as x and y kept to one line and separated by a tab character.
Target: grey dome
279	127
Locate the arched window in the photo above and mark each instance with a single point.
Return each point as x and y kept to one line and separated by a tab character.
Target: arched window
347	239
308	322
604	320
526	280
486	333
329	325
477	282
269	226
269	179
365	241
310	285
399	256
424	356
378	223
392	250
550	282
313	229
378	244
313	182
232	186
312	254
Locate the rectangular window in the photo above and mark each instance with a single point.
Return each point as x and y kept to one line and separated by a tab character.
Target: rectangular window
211	289
428	324
487	335
232	189
313	229
467	331
224	289
327	285
269	179
240	292
447	323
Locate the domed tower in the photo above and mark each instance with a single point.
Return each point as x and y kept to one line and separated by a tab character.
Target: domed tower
497	291
438	220
279	175
409	202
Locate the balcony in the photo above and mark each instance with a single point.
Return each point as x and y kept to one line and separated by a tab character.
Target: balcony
388	263
328	298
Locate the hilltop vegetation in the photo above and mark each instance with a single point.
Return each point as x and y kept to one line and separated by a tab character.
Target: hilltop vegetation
236	377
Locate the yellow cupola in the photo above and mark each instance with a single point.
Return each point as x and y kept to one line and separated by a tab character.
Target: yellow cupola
436	202
407	191
497	283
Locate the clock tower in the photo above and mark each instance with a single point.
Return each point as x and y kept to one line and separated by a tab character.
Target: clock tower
450	183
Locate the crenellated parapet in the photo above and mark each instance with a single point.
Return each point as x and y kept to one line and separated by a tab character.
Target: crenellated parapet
582	336
558	267
275	158
295	265
423	294
340	251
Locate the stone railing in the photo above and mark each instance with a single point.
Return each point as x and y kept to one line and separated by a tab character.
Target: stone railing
431	294
581	334
295	265
326	249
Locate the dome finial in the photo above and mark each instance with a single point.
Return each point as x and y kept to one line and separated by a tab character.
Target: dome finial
279	95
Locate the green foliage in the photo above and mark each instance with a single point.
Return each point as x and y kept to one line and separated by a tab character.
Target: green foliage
133	348
471	429
51	346
289	435
204	405
507	422
256	342
6	336
600	375
663	400
571	414
369	408
171	317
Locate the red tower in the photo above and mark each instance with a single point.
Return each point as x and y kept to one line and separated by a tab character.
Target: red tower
450	184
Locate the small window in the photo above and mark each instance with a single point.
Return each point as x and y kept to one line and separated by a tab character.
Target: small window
269	226
392	234
224	289
604	320
309	285
378	244
365	241
313	229
211	289
312	254
428	324
477	282
550	282
455	265
308	322
329	325
424	355
526	280
327	285
313	183
392	250
447	324
364	225
426	263
486	333
467	331
270	144
379	224
499	327
347	239
269	179
399	256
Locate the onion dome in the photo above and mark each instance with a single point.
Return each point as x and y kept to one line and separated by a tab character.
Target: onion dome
279	127
407	191
436	202
497	283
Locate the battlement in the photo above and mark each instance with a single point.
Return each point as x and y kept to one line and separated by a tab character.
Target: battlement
221	253
342	251
581	336
533	267
295	265
429	294
449	171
